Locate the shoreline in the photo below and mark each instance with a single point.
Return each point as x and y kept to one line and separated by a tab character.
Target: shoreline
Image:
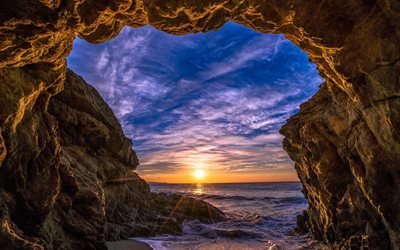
128	245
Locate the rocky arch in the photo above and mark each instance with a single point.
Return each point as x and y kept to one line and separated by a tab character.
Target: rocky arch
345	140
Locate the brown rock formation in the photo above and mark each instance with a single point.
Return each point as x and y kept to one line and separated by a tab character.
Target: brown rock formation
349	180
345	141
80	190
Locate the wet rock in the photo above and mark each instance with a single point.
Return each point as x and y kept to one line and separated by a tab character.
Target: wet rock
186	208
302	224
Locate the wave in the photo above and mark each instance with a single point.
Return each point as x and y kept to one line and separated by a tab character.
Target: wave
213	231
247	198
259	216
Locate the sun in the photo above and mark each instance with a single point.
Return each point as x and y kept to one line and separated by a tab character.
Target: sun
199	174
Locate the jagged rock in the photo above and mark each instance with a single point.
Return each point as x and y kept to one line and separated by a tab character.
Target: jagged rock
184	208
162	214
347	175
345	141
101	198
108	200
74	187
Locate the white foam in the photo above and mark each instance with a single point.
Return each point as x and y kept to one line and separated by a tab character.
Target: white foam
155	244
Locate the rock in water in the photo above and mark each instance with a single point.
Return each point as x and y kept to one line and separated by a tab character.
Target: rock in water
183	208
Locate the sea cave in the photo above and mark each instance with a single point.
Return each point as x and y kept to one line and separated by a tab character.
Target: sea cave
66	179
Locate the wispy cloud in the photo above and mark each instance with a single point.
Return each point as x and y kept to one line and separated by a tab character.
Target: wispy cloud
215	99
256	49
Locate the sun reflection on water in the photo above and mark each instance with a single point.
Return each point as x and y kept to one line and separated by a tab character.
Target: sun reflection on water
198	189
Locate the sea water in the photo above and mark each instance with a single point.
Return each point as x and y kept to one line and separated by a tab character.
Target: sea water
260	216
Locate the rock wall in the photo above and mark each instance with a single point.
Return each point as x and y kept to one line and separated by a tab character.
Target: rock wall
345	141
74	187
350	180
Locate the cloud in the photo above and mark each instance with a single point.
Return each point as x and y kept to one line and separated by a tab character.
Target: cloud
215	99
258	48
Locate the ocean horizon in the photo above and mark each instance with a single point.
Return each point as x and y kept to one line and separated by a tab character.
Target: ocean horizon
246	182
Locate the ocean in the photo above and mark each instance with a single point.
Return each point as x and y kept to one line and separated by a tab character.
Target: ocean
260	216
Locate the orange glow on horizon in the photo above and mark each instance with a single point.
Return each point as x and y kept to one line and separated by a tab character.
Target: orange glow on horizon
200	165
218	176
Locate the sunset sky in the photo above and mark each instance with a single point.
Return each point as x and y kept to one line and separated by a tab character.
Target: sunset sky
201	107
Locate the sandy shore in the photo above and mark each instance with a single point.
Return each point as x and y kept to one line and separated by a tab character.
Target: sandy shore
128	245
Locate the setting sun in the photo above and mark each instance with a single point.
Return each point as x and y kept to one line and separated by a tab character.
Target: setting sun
199	174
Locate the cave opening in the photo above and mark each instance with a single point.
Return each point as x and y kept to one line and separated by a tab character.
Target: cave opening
179	97
63	152
204	112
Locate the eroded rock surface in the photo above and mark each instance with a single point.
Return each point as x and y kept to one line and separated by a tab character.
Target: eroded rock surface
345	141
349	178
79	188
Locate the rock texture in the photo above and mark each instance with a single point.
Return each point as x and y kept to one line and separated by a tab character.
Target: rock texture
74	187
350	180
345	141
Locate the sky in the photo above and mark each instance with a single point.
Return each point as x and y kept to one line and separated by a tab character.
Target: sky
212	102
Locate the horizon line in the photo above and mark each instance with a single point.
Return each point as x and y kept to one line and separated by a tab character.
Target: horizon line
156	182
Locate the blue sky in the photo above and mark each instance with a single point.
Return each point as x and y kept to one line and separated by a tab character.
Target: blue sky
213	100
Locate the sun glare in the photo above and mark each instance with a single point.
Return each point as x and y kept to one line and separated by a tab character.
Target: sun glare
199	174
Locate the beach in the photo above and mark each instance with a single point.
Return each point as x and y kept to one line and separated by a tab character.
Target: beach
128	245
